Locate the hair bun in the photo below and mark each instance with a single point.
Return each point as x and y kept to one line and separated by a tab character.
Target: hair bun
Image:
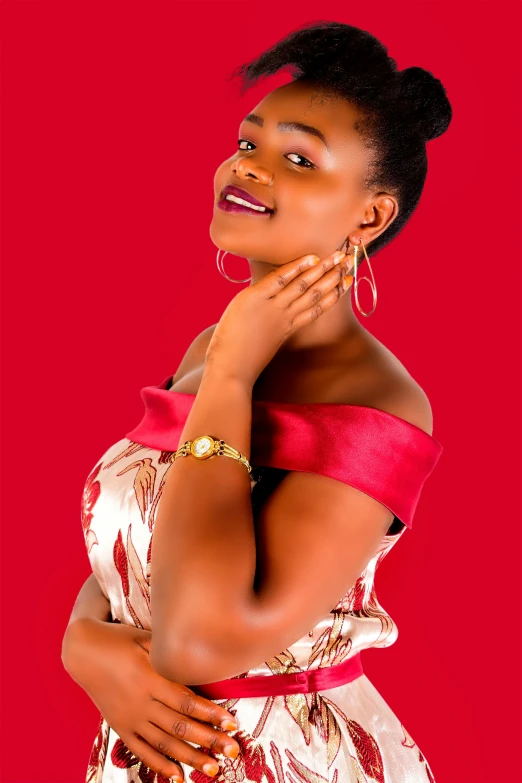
424	101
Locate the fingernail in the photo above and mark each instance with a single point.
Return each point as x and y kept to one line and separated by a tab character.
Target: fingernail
210	769
228	725
347	281
231	751
313	260
338	256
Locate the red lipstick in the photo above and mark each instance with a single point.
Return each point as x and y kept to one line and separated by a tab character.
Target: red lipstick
234	206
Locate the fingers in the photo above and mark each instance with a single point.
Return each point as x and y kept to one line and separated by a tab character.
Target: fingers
181	699
183	728
310	288
152	758
279	278
164	743
313	282
308	314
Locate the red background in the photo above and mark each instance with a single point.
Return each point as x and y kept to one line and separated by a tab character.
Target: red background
115	117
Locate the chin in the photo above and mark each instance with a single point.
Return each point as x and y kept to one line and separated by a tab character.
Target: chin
232	240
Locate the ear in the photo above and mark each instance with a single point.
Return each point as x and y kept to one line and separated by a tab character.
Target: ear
378	216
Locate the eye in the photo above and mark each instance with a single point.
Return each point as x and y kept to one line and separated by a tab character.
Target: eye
309	164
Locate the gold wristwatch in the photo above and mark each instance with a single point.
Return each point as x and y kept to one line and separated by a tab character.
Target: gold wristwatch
206	446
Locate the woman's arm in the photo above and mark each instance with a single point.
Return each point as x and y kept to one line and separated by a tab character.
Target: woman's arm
218	605
91	606
203	547
110	662
91	602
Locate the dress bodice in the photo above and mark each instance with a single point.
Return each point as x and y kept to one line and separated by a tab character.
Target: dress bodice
372	450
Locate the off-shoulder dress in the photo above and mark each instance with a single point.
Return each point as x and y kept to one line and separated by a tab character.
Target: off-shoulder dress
309	714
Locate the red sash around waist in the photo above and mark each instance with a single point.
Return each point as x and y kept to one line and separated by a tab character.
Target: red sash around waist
283	684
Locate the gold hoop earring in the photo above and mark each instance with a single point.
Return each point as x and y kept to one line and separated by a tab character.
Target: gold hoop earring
357	280
219	261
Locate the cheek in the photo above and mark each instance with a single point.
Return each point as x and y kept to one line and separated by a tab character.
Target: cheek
322	203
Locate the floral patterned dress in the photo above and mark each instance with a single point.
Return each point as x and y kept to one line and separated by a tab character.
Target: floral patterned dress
308	722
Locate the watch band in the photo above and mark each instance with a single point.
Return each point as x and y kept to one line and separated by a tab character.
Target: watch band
206	446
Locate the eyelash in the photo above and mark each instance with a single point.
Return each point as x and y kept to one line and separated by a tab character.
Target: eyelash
311	166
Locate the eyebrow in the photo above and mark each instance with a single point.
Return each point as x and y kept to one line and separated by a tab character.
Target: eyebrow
290	126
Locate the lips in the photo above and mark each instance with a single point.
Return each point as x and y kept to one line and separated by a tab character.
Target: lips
240	193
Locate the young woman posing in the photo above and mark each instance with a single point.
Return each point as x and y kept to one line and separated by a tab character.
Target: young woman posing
260	577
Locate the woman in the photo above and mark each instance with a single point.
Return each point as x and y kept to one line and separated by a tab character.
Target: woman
332	438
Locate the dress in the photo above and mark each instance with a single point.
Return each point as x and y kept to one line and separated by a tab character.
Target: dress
304	733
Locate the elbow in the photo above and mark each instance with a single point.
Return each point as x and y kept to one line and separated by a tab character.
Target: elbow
162	652
199	653
183	662
64	650
163	656
71	642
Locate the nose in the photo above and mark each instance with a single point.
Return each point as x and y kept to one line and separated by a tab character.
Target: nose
248	168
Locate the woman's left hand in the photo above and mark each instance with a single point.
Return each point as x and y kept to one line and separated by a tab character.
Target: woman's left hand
262	316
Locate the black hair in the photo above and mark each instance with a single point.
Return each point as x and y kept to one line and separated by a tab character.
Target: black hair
399	110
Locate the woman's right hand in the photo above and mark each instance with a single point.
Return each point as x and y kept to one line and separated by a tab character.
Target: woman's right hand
110	661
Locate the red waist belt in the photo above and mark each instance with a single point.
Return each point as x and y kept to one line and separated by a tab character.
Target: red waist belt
281	684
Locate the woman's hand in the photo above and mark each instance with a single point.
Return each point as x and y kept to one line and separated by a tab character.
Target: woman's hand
110	661
262	316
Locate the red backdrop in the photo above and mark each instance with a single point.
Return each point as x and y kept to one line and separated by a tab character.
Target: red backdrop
115	117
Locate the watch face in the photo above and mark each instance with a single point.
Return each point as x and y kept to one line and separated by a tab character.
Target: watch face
202	445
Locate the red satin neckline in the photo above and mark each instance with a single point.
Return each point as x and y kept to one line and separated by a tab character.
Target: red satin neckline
163	386
374	451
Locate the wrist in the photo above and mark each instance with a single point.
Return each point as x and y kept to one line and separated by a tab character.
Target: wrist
216	374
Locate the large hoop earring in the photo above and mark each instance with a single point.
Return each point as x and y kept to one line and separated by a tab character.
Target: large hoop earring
357	280
219	261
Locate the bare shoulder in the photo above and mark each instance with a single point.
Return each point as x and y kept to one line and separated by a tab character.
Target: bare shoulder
407	400
394	390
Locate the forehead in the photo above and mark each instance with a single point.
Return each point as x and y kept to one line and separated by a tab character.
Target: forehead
303	102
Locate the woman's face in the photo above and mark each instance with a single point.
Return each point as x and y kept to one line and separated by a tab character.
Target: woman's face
313	184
